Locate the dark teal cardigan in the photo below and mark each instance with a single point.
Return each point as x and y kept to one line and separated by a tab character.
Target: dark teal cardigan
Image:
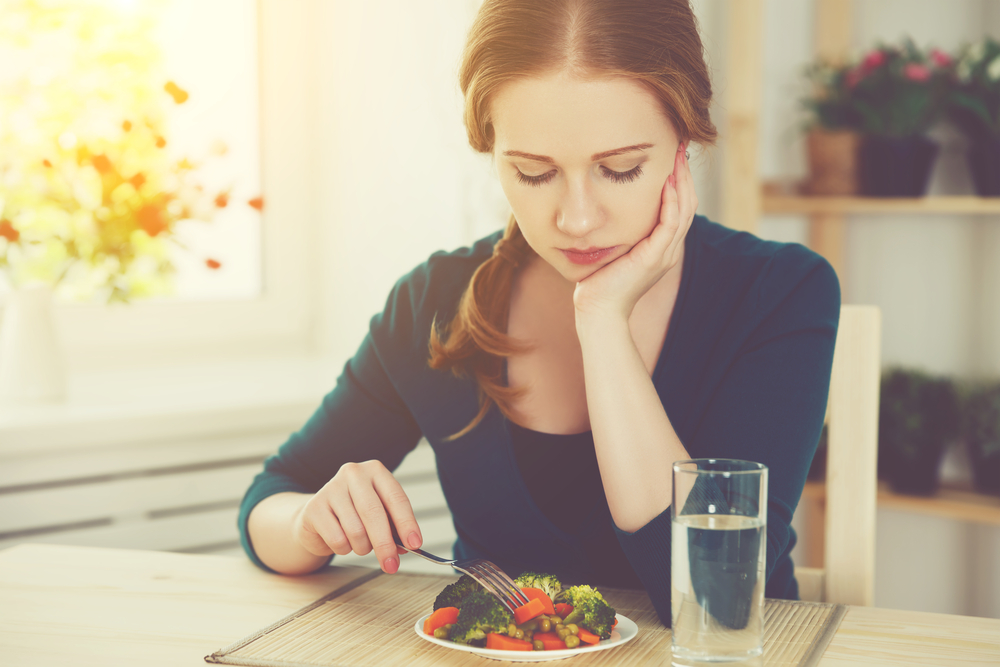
744	374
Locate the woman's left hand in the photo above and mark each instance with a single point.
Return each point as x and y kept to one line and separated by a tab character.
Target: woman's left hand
613	290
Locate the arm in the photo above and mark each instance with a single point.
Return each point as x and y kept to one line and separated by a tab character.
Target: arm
340	460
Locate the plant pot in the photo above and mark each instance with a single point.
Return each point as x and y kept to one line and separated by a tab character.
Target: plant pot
918	416
833	162
31	363
896	167
984	165
981	432
916	476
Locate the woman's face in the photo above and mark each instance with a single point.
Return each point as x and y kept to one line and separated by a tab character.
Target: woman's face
583	163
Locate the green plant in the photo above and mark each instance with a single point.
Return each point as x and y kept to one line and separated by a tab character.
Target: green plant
899	91
981	434
829	103
974	101
919	415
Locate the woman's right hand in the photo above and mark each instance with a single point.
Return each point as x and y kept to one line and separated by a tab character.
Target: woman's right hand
352	513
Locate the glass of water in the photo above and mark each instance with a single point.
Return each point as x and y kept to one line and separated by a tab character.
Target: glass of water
719	533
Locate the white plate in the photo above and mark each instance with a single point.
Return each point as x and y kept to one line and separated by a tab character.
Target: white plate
624	631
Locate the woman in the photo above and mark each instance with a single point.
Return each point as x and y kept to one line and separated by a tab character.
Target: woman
560	368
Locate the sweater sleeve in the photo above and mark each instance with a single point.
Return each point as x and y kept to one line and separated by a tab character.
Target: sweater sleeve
362	418
768	407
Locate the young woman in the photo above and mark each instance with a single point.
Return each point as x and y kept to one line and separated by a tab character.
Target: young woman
559	368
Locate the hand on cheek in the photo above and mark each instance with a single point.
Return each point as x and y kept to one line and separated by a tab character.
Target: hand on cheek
614	289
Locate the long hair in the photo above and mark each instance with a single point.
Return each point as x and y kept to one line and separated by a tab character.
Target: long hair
654	42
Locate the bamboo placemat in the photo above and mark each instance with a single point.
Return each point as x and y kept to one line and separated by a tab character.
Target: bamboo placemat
370	622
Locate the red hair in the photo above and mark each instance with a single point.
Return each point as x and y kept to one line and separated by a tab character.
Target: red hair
654	42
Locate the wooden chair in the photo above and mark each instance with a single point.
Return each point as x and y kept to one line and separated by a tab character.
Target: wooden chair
848	573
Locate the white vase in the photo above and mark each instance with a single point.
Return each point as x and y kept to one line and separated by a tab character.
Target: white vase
31	362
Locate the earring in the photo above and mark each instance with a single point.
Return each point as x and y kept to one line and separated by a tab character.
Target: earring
687	155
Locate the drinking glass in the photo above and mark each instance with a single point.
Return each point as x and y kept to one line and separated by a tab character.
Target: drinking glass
719	533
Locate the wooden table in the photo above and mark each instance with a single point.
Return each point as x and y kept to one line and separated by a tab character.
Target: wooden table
80	606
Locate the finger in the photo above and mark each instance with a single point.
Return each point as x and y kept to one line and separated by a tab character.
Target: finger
376	525
345	508
321	533
397	503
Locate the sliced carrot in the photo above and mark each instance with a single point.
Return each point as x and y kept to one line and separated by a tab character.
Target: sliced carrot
564	609
550	640
442	616
527	612
615	623
538	593
587	636
505	643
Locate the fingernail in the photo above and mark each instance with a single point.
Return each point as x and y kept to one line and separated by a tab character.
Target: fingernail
390	566
413	540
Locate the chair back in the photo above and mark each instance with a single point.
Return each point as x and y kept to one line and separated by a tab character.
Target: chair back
848	573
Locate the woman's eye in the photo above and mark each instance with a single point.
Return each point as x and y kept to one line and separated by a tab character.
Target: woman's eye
534	180
610	174
623	176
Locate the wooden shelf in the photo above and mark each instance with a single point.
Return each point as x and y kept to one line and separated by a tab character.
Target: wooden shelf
950	503
808	205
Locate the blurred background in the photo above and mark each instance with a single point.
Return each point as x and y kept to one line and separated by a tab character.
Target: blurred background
203	204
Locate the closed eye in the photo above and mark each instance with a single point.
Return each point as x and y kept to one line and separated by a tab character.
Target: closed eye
610	174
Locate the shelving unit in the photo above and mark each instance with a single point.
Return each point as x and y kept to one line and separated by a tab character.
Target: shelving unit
746	197
955	503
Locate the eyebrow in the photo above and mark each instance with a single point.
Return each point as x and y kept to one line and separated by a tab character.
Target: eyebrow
595	157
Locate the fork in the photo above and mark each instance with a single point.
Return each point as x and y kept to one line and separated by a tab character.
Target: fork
488	575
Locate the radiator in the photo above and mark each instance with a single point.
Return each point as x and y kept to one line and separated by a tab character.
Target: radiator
176	496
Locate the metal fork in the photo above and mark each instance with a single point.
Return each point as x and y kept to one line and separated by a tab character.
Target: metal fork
489	576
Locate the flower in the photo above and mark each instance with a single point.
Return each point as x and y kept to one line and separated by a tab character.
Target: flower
940	58
8	232
917	72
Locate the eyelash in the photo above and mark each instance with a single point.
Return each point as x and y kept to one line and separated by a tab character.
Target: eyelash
615	176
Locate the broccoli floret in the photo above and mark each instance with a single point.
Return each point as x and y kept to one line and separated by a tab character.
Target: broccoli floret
546	582
589	610
478	615
453	594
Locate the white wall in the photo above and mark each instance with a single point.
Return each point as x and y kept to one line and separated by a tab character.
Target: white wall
398	181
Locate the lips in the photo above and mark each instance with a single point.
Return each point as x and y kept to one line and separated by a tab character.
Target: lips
587	255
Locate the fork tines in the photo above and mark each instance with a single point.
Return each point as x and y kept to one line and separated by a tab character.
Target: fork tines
496	581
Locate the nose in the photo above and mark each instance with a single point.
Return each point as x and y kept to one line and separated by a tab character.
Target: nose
579	212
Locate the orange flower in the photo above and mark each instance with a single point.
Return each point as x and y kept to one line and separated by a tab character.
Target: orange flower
160	142
257	203
222	199
179	94
212	263
127	125
8	232
101	163
151	219
137	180
47	163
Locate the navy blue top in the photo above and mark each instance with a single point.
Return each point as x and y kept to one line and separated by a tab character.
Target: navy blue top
744	373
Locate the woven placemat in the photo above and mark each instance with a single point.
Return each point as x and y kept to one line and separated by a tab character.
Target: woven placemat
370	622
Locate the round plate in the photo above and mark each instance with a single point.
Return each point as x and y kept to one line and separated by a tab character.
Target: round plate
624	631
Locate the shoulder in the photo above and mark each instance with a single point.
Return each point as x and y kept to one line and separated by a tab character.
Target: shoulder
771	273
430	291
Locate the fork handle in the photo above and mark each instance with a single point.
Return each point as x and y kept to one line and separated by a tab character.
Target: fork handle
423	554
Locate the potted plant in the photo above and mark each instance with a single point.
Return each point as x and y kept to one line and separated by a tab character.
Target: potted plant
91	192
899	93
981	434
832	138
974	108
918	416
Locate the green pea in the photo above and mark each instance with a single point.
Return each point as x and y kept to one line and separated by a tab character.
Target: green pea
441	633
572	641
